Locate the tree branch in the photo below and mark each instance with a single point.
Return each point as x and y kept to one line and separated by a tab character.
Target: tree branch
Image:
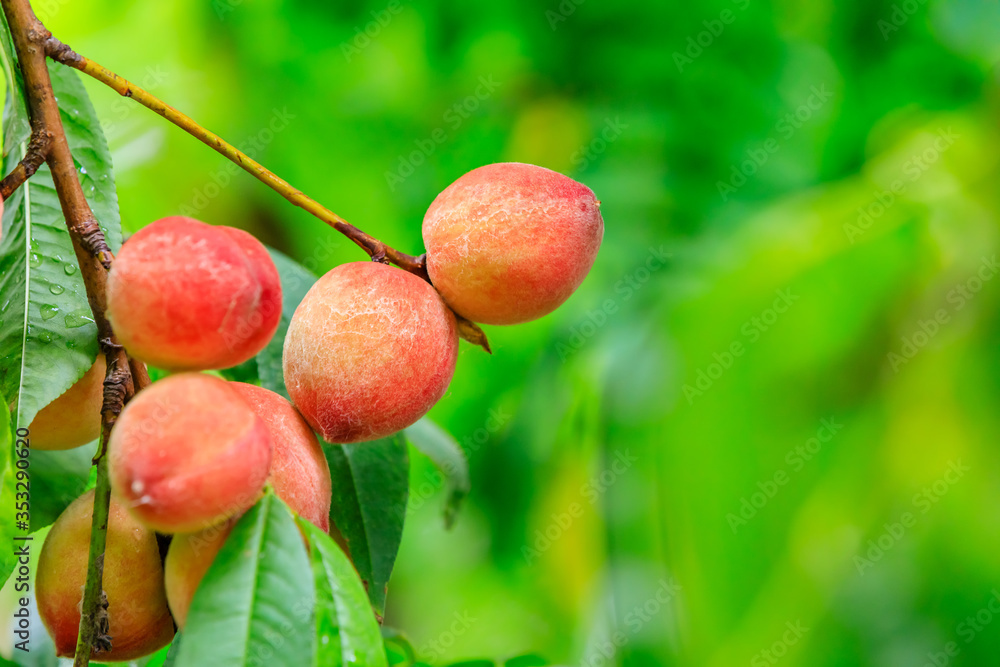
34	156
94	257
377	250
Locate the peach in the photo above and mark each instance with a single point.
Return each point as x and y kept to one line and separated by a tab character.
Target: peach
139	619
299	472
508	243
188	452
184	295
74	418
188	559
368	351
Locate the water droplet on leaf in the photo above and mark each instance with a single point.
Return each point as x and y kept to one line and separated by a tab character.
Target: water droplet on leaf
78	318
69	269
48	311
35	261
56	289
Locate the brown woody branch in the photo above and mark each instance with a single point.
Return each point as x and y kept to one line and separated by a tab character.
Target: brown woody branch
94	258
34	156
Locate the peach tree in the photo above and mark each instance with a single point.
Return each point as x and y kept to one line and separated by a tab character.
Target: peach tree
245	499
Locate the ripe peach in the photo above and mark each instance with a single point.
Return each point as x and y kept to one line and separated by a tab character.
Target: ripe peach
183	295
140	621
508	243
299	473
369	350
188	559
74	418
187	452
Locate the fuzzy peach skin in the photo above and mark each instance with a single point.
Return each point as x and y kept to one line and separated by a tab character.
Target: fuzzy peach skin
188	452
299	473
184	295
369	350
133	581
74	418
508	243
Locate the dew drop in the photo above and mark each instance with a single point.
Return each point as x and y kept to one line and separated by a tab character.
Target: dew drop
34	245
35	260
83	170
45	337
56	289
78	318
71	344
48	311
69	269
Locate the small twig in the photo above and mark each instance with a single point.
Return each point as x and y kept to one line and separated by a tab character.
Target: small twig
376	249
34	156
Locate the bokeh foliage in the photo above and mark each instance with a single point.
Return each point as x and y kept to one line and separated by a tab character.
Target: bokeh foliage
580	424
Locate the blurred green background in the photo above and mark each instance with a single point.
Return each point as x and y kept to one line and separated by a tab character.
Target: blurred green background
764	430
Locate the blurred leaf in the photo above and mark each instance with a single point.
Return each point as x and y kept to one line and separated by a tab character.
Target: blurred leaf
530	660
57	479
48	339
438	445
398	647
295	282
473	663
346	630
255	602
370	490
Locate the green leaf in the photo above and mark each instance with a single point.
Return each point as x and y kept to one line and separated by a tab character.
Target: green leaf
398	647
255	604
438	445
347	632
370	490
47	336
295	282
16	122
57	479
166	656
7	496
